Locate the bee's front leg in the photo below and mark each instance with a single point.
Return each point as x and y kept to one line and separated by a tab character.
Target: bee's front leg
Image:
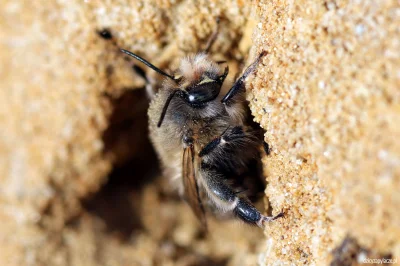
238	85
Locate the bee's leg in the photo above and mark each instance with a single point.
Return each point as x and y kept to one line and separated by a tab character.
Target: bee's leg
149	86
226	199
238	85
229	135
213	37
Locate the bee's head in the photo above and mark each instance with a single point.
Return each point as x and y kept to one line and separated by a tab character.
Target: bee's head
198	80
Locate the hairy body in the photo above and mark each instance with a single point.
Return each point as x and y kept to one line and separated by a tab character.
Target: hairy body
222	141
206	142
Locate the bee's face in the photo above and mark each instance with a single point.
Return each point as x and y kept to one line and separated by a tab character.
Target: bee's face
205	90
201	81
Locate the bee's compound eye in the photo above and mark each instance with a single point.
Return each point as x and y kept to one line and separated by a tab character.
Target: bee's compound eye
203	93
199	98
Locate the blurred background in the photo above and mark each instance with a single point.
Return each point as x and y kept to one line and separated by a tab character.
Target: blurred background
81	185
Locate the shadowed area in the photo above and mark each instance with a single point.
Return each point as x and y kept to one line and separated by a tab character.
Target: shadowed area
135	164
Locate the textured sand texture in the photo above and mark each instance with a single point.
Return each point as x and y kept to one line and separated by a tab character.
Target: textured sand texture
328	97
77	174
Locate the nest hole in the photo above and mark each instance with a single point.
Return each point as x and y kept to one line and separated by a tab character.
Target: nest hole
134	165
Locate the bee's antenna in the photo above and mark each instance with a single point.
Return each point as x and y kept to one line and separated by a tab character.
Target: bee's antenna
164	111
148	64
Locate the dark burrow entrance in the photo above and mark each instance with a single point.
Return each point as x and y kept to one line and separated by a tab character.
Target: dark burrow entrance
121	202
135	164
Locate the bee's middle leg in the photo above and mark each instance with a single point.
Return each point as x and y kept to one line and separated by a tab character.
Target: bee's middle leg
230	135
226	198
217	188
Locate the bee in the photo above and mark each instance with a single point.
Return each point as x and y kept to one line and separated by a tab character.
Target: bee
203	138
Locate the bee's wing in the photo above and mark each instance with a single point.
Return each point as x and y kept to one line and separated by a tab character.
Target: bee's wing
190	184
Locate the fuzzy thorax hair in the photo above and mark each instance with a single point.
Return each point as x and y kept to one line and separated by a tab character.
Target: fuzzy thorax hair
192	69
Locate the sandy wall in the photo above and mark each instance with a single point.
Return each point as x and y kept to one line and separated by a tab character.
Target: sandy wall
72	114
